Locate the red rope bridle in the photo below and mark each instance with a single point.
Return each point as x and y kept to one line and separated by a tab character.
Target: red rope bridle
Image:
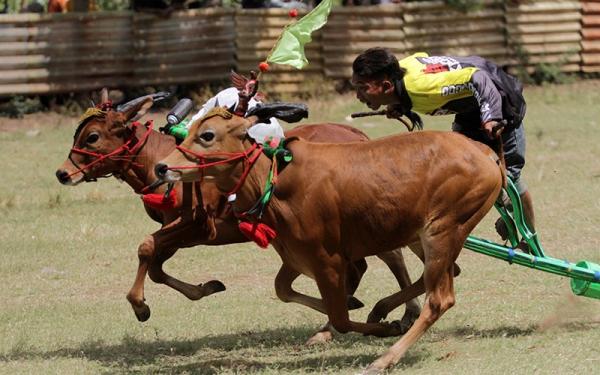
249	157
129	148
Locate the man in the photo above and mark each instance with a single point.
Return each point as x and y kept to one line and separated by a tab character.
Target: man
475	90
229	98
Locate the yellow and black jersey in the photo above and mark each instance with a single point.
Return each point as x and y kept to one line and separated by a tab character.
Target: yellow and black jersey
474	89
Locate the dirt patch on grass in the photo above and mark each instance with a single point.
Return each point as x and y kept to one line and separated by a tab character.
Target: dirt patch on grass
35	121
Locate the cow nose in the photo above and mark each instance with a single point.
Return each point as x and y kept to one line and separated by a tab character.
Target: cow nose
160	170
63	176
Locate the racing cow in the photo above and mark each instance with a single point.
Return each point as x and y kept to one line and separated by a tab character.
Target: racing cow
334	204
108	143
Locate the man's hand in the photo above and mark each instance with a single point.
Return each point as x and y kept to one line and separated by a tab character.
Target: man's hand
492	129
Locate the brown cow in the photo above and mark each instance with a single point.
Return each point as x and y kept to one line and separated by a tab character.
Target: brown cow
188	224
337	203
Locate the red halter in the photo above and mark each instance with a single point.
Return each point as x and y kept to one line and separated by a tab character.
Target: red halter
128	148
250	156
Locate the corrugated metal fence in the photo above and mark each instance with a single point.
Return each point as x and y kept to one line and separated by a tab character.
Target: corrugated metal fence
591	36
77	52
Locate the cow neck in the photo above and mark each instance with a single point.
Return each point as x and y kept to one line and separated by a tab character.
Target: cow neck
140	174
256	193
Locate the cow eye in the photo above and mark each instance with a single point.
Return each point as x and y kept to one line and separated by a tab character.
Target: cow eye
92	138
207	136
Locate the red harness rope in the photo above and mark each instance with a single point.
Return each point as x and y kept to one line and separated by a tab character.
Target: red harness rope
250	156
127	147
258	232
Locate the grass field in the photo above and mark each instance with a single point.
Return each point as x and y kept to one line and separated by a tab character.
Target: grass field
69	257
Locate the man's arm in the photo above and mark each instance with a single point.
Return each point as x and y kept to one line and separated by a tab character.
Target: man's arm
489	99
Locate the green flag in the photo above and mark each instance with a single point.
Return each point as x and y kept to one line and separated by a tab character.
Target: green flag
289	49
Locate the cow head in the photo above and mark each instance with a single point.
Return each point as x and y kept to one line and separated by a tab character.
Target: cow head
210	139
101	130
217	137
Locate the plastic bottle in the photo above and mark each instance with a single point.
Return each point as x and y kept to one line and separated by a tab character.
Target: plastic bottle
180	111
176	123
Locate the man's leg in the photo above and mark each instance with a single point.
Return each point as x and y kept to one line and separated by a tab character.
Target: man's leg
528	210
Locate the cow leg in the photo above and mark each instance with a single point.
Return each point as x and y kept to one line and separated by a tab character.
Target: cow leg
166	243
283	288
356	270
136	293
406	295
440	252
395	262
154	251
330	275
284	291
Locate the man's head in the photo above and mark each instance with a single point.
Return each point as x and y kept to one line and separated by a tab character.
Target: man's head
374	74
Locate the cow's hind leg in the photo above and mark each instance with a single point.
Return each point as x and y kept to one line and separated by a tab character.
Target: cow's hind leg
395	262
440	252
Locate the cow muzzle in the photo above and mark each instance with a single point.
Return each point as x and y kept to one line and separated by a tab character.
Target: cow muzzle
163	172
64	177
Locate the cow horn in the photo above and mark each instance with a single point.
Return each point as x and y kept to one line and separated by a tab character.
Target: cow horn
132	103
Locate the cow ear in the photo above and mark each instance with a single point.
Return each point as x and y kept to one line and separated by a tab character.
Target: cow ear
288	112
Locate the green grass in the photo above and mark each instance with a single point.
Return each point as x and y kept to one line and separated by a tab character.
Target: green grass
69	257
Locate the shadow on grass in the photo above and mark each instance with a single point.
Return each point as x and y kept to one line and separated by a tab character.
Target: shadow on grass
283	349
504	331
275	349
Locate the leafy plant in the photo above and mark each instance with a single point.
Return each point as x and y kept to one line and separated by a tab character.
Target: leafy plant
19	105
548	73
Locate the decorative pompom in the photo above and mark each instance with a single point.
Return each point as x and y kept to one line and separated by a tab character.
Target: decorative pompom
263	66
260	233
293	13
158	201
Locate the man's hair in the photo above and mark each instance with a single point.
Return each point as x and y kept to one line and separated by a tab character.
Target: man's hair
377	63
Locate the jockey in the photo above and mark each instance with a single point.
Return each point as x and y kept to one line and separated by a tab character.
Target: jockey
475	90
229	98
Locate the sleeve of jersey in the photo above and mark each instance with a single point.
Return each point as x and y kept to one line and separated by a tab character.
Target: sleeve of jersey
488	97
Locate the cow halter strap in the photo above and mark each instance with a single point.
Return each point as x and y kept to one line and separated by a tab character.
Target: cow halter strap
249	156
249	224
130	149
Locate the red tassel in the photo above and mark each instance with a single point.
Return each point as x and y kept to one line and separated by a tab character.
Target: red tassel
260	233
158	201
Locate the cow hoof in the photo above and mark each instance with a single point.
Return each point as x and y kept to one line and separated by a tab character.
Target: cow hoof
322	337
376	316
212	287
354	303
409	318
400	327
142	314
